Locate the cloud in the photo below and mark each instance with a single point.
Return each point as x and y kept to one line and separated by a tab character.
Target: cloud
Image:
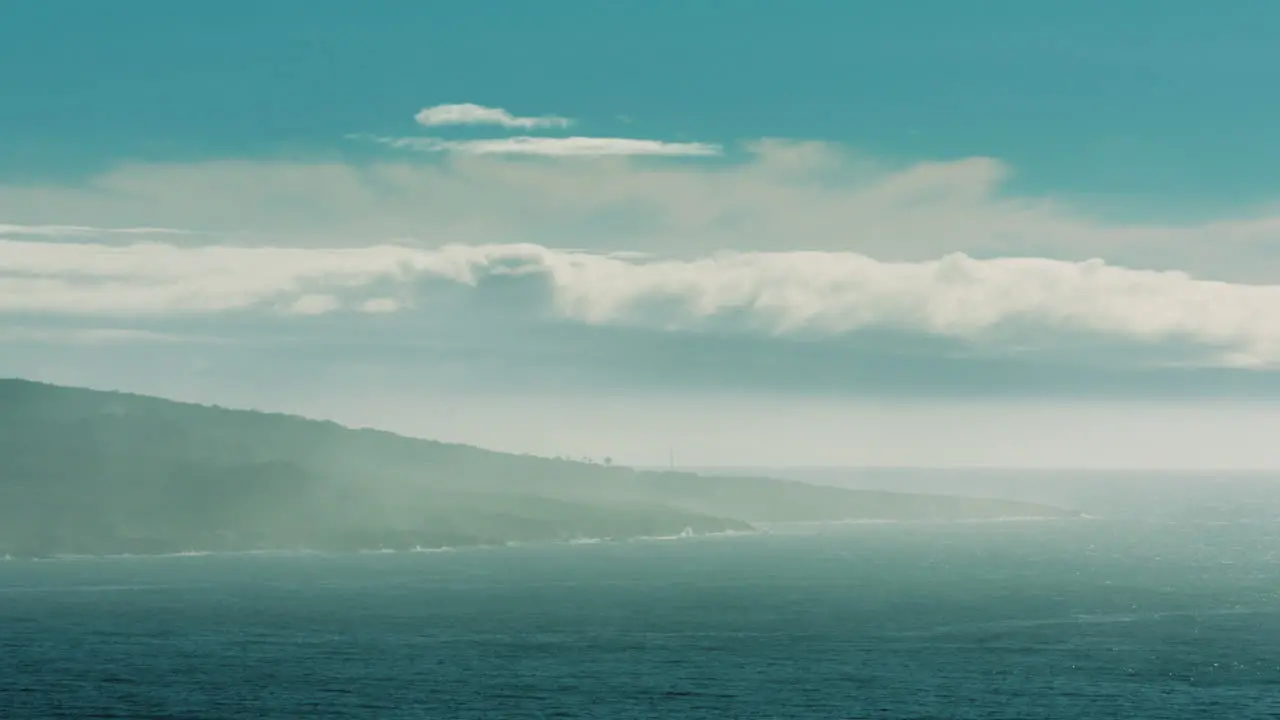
777	196
153	278
999	306
313	304
554	147
472	114
379	306
88	336
11	230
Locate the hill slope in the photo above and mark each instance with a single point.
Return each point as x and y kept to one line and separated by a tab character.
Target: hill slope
84	471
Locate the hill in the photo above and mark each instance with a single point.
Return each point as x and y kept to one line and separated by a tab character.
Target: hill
91	472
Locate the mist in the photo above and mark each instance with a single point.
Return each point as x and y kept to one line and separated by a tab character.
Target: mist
1140	496
91	472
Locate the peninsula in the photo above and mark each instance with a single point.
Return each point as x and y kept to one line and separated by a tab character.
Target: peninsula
92	472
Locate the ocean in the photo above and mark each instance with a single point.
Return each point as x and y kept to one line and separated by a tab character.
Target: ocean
1021	619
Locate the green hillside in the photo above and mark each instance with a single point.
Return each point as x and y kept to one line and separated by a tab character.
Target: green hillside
89	472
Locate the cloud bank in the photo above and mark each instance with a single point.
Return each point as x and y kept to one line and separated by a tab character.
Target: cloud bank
473	114
554	147
1000	305
803	242
778	196
54	231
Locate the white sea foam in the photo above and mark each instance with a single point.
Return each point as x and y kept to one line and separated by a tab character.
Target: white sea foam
420	549
805	526
687	534
691	534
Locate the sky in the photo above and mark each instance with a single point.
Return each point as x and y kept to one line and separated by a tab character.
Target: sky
751	233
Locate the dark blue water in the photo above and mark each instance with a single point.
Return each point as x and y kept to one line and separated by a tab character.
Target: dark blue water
1081	619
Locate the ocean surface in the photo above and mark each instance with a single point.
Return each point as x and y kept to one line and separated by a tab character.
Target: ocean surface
1055	619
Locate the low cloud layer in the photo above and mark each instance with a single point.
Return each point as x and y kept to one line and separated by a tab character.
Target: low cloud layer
553	146
1004	305
56	231
786	242
473	114
775	196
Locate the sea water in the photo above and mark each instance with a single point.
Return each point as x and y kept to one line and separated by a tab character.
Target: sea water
1056	619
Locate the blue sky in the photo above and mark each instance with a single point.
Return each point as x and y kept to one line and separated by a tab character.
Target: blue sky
999	205
1163	102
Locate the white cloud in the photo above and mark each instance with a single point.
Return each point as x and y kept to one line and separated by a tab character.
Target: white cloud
780	196
555	147
472	114
379	306
150	279
89	336
312	304
997	303
10	230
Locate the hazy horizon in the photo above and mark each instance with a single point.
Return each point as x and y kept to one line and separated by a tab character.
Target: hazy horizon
669	429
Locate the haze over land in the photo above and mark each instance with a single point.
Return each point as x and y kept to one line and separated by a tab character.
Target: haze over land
1142	496
88	472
